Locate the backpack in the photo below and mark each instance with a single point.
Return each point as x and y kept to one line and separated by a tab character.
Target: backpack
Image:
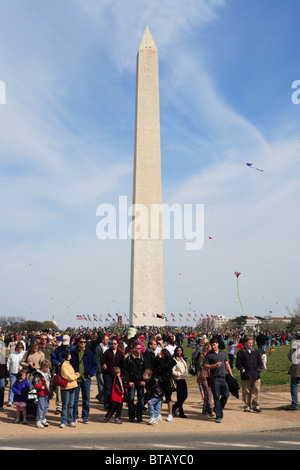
193	364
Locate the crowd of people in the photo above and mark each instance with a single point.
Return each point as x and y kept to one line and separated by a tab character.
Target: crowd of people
142	369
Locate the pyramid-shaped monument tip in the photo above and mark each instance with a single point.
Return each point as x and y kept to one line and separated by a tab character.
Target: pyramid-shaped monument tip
147	41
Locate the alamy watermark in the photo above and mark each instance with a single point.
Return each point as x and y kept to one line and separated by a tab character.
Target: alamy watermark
138	222
2	92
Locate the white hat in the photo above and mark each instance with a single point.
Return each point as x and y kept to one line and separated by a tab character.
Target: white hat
66	340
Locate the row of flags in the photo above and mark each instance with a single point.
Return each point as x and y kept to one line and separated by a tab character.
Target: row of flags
188	317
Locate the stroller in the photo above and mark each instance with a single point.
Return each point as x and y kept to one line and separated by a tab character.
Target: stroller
32	403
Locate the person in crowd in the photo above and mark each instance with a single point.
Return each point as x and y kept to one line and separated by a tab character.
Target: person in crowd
23	341
117	395
121	345
180	374
21	390
97	340
46	347
13	367
3	374
68	393
230	352
12	344
32	359
261	342
170	344
134	366
138	339
216	362
294	371
57	360
249	363
264	360
42	383
195	358
111	358
207	408
164	371
84	362
129	347
149	355
99	350
154	395
160	344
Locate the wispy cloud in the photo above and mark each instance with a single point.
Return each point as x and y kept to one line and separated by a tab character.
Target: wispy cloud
67	146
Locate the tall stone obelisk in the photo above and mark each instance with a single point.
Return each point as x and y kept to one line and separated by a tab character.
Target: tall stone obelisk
147	277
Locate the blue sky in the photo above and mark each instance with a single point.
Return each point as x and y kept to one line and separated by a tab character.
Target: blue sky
67	135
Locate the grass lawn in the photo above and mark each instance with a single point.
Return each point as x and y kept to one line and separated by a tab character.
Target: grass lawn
275	374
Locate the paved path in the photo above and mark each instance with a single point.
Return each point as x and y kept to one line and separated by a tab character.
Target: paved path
235	420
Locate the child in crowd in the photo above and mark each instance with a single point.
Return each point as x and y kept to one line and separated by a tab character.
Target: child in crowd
264	360
154	395
42	381
21	390
117	395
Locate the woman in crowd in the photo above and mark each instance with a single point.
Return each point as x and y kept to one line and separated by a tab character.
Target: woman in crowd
68	394
164	368
32	359
171	344
13	366
180	374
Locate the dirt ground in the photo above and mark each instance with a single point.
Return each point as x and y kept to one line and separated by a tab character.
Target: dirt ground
235	420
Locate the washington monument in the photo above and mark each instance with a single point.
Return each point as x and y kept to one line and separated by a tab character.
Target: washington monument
147	303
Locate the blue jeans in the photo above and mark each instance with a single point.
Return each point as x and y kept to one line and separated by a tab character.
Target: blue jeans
140	402
2	390
42	408
12	379
220	393
154	407
67	411
294	391
85	387
108	383
100	385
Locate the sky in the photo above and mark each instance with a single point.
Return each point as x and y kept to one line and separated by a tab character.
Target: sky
67	78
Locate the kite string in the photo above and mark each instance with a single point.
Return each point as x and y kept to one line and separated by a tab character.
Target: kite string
238	294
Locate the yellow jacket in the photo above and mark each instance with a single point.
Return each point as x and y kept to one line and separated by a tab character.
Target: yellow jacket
68	373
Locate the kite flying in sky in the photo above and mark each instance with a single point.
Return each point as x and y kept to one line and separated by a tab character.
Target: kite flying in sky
237	288
254	168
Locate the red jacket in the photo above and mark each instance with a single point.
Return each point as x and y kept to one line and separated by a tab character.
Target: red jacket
117	392
38	386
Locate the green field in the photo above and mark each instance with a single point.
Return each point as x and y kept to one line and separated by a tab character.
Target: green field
275	374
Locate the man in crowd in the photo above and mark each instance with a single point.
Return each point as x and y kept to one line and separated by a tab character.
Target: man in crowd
294	371
134	366
56	361
249	363
216	362
111	358
84	362
98	352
